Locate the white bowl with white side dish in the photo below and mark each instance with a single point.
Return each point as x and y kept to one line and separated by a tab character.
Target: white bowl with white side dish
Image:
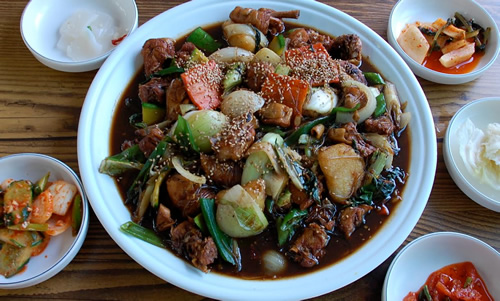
94	145
464	148
407	12
76	35
61	248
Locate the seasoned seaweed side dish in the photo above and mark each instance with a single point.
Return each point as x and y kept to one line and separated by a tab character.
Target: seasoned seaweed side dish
258	148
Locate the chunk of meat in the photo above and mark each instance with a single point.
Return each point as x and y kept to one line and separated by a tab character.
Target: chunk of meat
352	71
382	125
187	240
176	95
184	194
316	37
349	134
183	55
301	198
151	137
348	47
155	52
154	90
310	246
235	138
275	113
224	173
352	217
300	37
264	19
323	215
164	218
257	73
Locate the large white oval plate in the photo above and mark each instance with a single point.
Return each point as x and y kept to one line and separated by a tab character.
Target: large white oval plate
120	67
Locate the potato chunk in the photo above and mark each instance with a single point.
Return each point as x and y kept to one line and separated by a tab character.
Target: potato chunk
344	170
457	56
414	43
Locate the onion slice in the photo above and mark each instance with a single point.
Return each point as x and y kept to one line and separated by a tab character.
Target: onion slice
177	163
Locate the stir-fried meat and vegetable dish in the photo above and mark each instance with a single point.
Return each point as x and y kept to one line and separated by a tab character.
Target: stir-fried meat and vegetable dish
266	144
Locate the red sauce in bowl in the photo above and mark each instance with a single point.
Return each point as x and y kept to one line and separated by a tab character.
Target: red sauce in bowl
432	62
459	281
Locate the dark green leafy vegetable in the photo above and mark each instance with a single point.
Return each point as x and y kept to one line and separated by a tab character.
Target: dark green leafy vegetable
203	40
142	233
288	224
130	159
226	246
379	189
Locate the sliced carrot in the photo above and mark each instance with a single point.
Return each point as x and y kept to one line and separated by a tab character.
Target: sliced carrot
313	64
203	85
288	91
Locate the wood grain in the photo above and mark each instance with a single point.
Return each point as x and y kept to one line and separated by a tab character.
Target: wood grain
39	112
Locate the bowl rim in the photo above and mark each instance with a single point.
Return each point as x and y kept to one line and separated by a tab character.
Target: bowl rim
72	64
78	240
426	73
110	223
432	235
455	172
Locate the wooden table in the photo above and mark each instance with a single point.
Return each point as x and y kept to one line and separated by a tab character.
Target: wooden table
39	111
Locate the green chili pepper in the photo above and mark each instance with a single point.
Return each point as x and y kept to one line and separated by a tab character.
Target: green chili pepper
142	233
424	294
381	105
374	78
184	134
203	40
41	184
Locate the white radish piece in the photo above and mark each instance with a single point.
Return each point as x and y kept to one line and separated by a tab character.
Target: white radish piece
414	43
63	193
457	56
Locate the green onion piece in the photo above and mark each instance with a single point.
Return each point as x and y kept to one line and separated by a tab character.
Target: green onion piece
155	196
29	227
306	128
381	105
203	40
142	177
227	248
184	134
76	215
424	294
200	222
438	33
168	71
142	233
41	184
468	282
131	158
374	78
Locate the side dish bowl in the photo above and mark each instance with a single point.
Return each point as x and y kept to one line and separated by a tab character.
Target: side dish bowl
409	11
41	21
94	145
61	248
481	112
416	261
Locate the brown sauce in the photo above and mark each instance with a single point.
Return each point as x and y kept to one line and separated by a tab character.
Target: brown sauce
252	248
